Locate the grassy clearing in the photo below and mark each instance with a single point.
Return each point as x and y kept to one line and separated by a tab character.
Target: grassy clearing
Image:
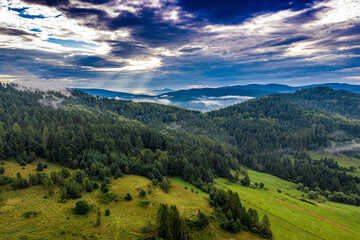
12	168
342	160
179	181
47	219
288	222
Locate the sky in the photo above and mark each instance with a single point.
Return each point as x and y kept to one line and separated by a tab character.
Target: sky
141	45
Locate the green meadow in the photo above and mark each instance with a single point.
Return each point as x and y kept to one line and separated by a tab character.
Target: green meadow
127	220
341	159
300	220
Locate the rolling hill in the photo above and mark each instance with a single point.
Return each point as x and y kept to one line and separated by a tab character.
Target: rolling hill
126	146
207	99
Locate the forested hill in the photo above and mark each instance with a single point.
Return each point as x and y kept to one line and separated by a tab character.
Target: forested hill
101	136
305	119
342	102
52	126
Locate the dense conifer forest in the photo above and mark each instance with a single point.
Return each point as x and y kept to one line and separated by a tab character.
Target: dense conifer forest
106	138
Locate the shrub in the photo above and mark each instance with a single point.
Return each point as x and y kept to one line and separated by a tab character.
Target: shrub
155	182
165	185
144	203
95	185
142	193
261	185
279	191
149	191
2	170
202	219
300	186
40	166
313	194
30	214
104	187
89	186
82	207
128	197
107	197
5	180
107	212
245	181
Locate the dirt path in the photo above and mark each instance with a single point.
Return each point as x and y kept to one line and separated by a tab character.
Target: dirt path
313	214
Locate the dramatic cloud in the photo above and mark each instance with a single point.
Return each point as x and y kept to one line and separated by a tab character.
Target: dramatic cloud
144	45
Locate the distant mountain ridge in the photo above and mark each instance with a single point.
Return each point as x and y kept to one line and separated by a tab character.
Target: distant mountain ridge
206	99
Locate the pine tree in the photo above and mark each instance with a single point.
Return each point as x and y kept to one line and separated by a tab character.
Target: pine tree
265	227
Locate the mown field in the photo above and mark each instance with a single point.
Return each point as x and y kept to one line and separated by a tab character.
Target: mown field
292	218
126	221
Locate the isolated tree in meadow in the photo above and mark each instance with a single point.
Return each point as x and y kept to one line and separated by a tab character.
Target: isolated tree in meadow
265	227
40	166
88	185
246	180
313	194
82	207
2	170
165	185
142	193
104	187
352	168
128	197
107	212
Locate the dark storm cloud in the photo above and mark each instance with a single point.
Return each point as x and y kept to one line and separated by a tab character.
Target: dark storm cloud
148	26
126	49
94	61
97	1
50	3
185	41
91	17
235	11
52	65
